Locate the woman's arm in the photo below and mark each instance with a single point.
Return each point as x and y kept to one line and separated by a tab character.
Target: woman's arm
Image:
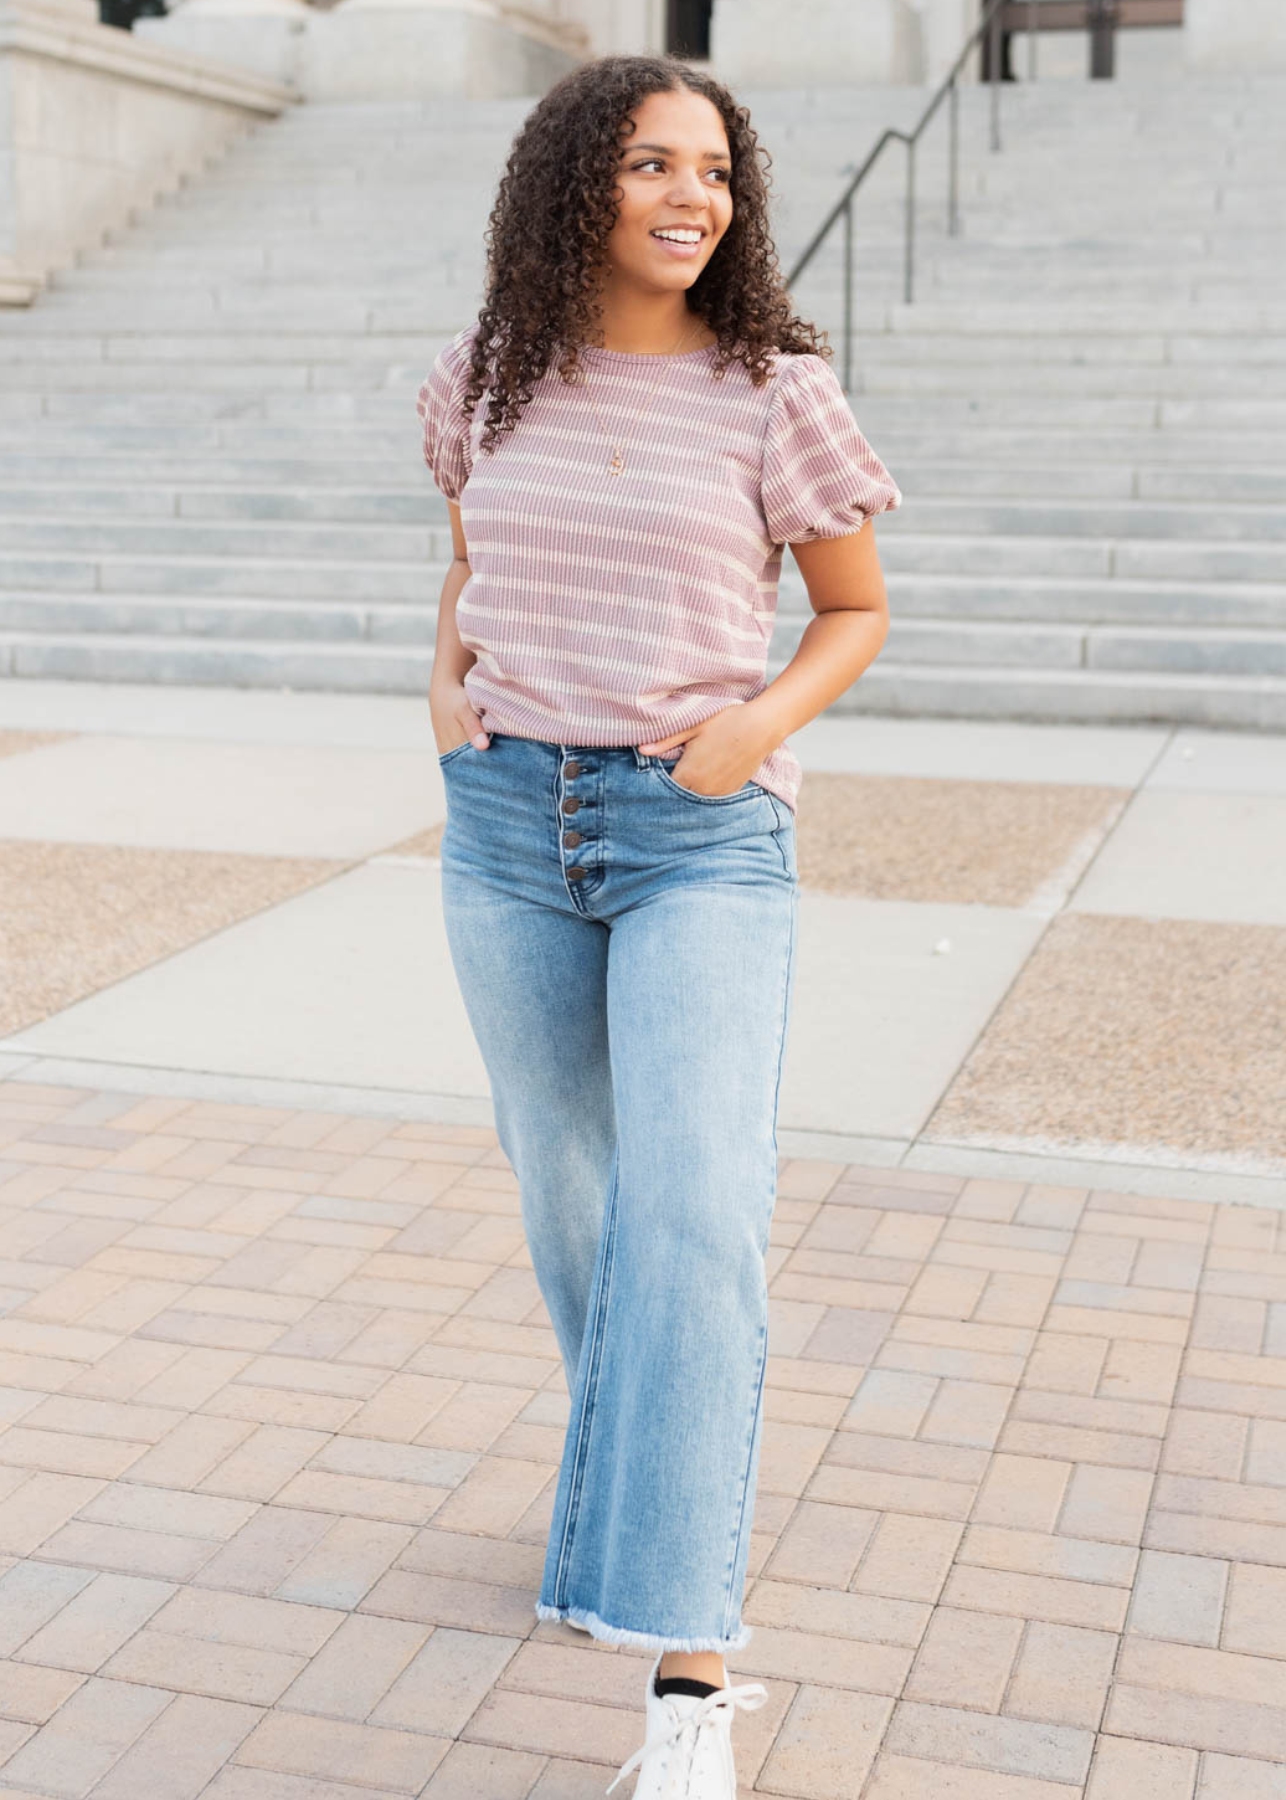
451	661
454	719
846	591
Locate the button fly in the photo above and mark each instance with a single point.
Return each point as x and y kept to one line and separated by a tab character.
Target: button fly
577	874
571	839
571	770
571	804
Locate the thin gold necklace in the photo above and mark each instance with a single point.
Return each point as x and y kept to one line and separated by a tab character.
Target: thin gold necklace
617	465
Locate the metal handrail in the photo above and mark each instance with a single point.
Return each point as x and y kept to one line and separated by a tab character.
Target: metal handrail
989	22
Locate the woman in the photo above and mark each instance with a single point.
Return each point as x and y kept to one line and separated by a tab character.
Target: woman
619	882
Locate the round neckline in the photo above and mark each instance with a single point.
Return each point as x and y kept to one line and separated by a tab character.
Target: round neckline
643	356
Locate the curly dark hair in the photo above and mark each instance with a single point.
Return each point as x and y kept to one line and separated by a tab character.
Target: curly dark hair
554	210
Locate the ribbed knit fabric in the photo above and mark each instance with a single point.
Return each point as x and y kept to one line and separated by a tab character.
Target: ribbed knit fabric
616	609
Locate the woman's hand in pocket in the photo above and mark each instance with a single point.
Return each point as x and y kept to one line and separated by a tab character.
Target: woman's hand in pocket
454	719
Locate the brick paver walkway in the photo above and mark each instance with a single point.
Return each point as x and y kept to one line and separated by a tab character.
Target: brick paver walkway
282	1415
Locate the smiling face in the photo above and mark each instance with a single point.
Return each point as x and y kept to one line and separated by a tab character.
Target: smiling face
674	171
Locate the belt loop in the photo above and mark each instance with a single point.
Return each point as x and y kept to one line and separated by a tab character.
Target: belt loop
641	761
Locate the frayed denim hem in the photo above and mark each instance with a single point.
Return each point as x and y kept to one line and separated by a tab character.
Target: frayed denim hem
641	1640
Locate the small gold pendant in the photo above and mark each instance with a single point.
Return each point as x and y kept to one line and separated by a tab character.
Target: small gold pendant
617	463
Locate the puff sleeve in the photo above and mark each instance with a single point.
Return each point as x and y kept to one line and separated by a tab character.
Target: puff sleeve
444	426
821	479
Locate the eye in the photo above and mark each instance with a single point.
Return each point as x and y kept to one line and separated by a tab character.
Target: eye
649	160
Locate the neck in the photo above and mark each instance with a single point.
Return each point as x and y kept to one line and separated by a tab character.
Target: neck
648	324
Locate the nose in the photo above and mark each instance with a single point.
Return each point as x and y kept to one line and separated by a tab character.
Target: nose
687	189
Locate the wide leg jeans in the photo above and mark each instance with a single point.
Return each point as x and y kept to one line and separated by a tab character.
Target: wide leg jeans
624	947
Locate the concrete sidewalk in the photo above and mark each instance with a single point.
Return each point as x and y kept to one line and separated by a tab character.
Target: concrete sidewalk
1028	952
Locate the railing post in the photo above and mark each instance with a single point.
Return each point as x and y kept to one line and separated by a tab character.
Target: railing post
848	295
987	35
910	219
953	188
1103	22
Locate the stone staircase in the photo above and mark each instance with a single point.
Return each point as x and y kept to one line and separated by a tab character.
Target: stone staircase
209	459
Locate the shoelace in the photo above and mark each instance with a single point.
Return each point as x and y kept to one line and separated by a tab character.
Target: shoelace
749	1695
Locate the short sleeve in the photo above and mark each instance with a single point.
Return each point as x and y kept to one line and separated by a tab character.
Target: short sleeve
821	479
445	426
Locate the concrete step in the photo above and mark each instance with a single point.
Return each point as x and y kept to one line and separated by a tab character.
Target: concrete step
191	617
1012	318
875	372
253	487
239	541
878	276
320	667
257	445
62	316
247	557
262	577
1084	601
372	505
212	471
1017	644
1106	521
904	550
58	594
1198	652
1164	650
395	402
1105	695
914	435
324	521
1085	406
153	356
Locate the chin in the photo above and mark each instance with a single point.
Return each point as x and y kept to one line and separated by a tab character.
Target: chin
683	273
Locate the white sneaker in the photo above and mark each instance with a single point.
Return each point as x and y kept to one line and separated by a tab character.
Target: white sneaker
688	1752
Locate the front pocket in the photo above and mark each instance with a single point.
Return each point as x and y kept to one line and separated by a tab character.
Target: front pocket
445	756
750	791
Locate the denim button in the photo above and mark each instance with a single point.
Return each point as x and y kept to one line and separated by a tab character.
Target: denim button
577	873
571	770
571	804
571	839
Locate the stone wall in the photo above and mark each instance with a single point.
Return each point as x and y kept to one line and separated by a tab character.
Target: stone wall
94	124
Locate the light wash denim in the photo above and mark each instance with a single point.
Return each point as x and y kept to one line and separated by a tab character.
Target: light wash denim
632	1020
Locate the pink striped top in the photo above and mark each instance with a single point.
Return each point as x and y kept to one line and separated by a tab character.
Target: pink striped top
614	609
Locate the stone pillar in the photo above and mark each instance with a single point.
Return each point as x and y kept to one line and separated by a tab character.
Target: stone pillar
415	49
265	36
1243	35
827	43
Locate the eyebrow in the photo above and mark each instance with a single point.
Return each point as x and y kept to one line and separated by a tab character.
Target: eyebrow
706	155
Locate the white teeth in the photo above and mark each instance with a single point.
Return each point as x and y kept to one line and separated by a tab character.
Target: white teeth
679	237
